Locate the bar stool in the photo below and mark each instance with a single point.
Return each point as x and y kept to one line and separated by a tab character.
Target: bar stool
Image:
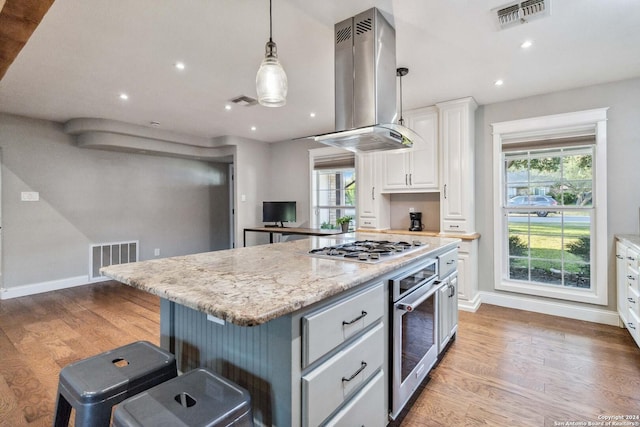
94	385
198	398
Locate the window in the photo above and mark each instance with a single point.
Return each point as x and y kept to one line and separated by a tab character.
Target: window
550	206
333	187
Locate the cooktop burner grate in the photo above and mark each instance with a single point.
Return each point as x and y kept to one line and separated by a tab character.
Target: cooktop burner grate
366	250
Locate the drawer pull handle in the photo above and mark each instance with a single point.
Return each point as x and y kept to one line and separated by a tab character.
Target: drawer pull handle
451	261
631	300
619	257
630	258
364	313
363	365
630	277
630	325
454	226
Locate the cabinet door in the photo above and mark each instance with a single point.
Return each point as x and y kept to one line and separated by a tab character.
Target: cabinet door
621	279
444	305
453	312
423	158
365	186
456	140
462	279
395	172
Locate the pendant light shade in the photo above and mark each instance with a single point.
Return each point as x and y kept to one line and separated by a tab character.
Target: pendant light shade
271	80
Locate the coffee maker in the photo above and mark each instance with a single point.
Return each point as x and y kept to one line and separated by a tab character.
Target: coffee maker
416	221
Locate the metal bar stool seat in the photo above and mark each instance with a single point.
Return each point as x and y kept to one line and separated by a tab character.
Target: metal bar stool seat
94	385
199	398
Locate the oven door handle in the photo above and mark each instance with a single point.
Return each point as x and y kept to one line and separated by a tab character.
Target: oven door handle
414	299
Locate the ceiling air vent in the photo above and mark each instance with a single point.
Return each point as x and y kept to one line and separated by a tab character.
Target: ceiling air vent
245	101
521	12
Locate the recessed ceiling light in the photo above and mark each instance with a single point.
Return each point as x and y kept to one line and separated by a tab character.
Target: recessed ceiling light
526	44
180	65
312	115
227	107
253	128
499	82
124	96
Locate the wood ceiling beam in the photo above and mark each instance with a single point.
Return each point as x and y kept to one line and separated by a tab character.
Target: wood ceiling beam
18	20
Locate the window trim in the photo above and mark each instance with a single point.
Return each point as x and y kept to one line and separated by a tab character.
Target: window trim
323	154
574	124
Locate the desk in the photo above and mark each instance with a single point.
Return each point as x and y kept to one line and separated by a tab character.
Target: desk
289	230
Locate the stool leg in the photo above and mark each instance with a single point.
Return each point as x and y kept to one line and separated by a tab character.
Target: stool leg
63	412
98	415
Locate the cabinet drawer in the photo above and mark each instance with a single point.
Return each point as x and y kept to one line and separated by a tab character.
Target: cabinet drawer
331	326
447	263
368	222
329	385
455	226
367	408
632	301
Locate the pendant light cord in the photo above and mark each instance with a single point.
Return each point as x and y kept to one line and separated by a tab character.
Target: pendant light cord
270	23
401	121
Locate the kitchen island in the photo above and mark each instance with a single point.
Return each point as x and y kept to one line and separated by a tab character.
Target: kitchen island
249	314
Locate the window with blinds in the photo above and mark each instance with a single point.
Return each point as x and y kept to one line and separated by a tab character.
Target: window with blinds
550	206
334	189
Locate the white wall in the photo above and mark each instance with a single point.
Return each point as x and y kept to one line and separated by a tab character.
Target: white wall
93	196
623	153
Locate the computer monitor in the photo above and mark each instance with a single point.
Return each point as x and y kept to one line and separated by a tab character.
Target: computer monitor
278	212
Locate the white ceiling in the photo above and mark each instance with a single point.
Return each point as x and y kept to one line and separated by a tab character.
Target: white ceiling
86	52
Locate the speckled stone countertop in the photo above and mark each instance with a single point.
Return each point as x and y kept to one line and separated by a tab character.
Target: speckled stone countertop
250	286
633	239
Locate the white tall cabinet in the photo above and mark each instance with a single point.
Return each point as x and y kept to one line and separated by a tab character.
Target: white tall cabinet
457	142
415	169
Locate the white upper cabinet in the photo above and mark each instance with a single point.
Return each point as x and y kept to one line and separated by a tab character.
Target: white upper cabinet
415	169
457	142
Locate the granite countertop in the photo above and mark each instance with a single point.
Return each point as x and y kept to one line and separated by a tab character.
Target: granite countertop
634	239
472	236
250	286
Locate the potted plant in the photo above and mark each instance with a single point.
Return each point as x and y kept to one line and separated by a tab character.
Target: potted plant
343	222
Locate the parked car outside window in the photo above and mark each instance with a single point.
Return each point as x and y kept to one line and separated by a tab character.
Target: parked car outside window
538	201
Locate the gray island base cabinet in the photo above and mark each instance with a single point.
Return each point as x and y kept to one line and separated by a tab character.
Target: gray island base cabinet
307	337
267	359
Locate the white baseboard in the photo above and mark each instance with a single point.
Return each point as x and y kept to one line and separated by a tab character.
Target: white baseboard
561	309
38	288
471	305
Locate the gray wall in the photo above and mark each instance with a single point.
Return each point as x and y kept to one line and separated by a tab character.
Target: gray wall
92	196
623	152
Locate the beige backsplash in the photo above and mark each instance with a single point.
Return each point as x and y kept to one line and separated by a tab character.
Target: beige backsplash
427	203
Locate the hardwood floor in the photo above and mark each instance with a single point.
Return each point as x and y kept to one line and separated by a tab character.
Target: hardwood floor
506	367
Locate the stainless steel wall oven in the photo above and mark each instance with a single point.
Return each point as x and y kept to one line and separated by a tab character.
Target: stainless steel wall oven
414	330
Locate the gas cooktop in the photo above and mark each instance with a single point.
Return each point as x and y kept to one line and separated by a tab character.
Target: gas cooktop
367	251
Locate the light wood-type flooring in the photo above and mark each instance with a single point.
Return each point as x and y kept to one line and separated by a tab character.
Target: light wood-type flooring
506	367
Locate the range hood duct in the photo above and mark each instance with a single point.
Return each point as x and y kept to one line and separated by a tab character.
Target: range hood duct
365	87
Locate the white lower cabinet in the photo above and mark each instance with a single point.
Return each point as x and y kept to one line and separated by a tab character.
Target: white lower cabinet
467	273
448	311
628	266
335	381
366	409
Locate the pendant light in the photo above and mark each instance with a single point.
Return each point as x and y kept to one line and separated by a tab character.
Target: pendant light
271	80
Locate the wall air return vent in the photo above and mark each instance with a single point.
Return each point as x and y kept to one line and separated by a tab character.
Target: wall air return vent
105	254
244	100
521	12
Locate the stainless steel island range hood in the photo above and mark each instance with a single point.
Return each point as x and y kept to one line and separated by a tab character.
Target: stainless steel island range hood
365	87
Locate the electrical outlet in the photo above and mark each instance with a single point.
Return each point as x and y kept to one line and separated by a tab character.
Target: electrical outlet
29	196
156	252
412	209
